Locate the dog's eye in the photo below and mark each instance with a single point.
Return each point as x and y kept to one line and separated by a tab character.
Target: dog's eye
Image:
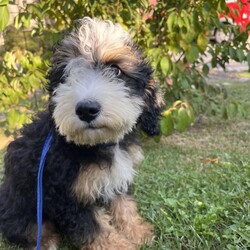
116	69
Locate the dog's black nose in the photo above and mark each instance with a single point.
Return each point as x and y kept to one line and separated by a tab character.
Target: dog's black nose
88	111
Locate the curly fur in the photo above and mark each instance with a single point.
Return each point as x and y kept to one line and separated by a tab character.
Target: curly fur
89	164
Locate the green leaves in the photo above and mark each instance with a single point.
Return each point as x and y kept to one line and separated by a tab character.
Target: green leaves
240	55
171	21
21	80
192	54
233	109
4	14
167	124
248	59
183	120
180	116
205	70
15	120
165	65
185	117
4	2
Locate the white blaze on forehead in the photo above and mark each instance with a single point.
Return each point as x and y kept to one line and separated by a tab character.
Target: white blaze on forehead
91	41
97	36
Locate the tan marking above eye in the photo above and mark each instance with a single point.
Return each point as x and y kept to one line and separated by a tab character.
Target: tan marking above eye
122	57
152	82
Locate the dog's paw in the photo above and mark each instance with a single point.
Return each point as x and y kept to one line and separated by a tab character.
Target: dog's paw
108	238
140	233
129	223
111	241
47	246
50	239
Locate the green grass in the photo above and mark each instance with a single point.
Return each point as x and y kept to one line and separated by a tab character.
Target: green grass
195	187
193	202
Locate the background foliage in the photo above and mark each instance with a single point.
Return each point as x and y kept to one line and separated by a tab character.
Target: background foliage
173	34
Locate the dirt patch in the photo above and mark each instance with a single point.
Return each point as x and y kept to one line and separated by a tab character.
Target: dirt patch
212	134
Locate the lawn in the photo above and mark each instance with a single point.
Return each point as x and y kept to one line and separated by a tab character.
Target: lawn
195	187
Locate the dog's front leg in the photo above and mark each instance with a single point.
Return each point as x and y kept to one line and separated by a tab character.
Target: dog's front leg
76	221
90	228
109	238
128	222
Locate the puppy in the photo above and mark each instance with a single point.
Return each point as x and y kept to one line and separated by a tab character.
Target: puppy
101	94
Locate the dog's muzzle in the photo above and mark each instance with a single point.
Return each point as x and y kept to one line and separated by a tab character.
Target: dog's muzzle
88	111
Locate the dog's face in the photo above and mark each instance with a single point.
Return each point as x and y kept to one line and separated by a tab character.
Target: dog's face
101	86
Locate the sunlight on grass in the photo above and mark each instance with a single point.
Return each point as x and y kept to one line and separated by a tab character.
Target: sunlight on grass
243	74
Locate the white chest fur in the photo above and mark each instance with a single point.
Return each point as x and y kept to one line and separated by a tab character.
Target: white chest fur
103	181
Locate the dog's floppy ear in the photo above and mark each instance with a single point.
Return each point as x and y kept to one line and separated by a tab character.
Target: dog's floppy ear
149	119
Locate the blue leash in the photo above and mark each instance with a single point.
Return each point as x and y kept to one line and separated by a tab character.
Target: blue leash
40	189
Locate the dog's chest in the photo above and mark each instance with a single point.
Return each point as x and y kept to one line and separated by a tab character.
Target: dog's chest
105	182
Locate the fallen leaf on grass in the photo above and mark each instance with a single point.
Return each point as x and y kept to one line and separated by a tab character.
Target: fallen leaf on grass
210	160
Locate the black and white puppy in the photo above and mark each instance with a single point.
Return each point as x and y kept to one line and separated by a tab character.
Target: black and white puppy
101	93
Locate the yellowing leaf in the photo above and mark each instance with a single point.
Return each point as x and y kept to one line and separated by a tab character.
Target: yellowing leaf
166	113
210	160
176	103
202	42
